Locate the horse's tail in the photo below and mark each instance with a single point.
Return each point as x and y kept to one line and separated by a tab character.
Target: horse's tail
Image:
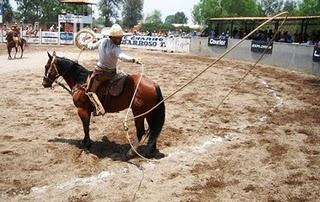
158	116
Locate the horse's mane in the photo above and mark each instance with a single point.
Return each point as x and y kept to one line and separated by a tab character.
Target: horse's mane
9	35
74	70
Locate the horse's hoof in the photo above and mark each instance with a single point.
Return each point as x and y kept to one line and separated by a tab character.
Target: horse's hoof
130	154
86	144
155	153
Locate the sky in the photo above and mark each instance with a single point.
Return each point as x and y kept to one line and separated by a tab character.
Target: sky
166	7
170	7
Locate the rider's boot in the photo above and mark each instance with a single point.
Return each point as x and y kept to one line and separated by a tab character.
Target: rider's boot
97	104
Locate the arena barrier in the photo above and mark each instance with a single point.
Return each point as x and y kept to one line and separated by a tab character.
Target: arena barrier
176	44
44	37
296	57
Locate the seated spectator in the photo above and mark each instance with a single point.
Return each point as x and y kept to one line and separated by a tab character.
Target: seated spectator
52	28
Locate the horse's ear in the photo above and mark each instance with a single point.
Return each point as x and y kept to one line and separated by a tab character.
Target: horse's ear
49	55
54	53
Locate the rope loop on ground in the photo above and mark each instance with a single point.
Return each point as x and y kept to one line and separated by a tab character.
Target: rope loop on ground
203	71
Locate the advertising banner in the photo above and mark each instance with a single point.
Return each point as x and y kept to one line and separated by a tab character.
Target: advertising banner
316	54
222	42
261	46
66	37
1	10
49	37
148	42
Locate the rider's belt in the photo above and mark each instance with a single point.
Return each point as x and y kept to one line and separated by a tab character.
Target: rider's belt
105	69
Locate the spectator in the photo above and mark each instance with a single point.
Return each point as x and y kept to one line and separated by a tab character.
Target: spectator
52	28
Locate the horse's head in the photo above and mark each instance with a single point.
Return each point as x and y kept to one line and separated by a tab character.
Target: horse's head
51	71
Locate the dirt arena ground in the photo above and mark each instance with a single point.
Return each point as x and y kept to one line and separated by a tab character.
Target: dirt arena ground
262	144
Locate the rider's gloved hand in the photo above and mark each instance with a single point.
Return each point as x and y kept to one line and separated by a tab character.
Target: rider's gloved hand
137	61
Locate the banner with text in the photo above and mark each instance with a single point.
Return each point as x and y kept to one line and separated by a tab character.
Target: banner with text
316	54
148	42
49	37
261	46
66	37
222	42
1	10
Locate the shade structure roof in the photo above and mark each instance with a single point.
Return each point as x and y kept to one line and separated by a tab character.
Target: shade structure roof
79	1
264	18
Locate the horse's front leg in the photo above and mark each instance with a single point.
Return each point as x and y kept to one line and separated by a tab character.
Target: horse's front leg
21	50
15	54
85	116
9	53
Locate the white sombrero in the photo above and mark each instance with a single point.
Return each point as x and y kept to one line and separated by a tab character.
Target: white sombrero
115	31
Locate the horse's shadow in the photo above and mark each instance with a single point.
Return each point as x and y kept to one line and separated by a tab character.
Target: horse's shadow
106	148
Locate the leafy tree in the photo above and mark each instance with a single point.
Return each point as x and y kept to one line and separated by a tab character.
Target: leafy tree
154	17
7	11
109	9
241	8
45	12
132	12
271	7
309	7
206	9
170	19
180	18
28	10
290	6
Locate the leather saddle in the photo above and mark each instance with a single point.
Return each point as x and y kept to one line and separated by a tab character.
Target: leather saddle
115	86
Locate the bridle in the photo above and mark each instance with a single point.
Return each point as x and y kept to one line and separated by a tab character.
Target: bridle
54	66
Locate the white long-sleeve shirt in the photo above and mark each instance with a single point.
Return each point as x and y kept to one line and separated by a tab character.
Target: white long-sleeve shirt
109	53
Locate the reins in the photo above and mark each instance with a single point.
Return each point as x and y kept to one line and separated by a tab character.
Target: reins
52	64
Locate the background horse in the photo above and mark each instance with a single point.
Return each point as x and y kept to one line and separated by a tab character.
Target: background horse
12	44
147	96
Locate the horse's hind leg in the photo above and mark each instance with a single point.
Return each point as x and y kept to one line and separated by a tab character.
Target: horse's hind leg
140	130
155	121
21	50
85	116
15	54
9	53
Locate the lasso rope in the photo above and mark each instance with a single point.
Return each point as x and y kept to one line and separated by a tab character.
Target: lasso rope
204	70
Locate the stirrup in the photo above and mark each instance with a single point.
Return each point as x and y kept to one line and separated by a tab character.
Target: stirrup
97	104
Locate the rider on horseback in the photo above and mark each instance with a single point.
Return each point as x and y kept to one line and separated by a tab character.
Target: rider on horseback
109	53
16	33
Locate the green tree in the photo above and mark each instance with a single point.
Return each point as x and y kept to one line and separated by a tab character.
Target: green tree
290	6
109	9
206	9
45	12
271	7
154	17
180	18
132	12
28	10
7	11
309	7
241	8
170	19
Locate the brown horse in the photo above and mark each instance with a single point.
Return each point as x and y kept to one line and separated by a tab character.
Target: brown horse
12	44
147	96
